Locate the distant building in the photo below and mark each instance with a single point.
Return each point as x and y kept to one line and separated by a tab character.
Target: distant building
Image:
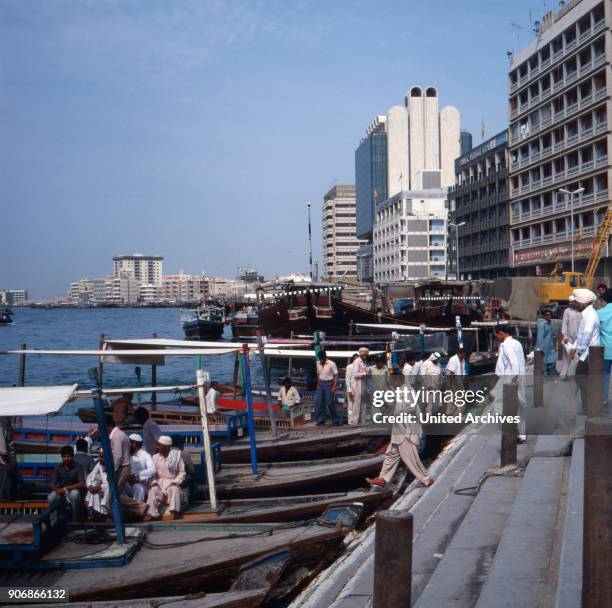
340	242
250	275
148	293
79	292
183	288
126	289
480	199
559	139
102	290
466	142
410	236
13	297
146	269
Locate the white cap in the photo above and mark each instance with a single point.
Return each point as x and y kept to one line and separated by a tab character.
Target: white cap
136	437
435	356
165	440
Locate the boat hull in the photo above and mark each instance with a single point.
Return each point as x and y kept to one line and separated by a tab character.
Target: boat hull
203	330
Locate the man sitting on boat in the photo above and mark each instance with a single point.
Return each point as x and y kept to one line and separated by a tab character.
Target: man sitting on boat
123	410
98	494
142	469
82	457
212	394
165	491
288	395
150	429
68	483
8	460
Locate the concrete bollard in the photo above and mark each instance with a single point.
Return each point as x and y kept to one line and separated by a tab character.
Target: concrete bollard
597	546
538	378
595	382
393	559
509	431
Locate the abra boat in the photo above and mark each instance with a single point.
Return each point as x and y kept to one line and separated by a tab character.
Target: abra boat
6	315
205	323
245	322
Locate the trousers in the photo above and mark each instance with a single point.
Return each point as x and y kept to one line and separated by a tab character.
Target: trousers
325	396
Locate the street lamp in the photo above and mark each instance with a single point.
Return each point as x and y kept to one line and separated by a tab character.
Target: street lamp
571	195
456	227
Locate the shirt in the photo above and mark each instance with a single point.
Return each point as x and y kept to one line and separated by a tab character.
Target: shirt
85	460
456	366
120	447
588	332
150	434
63	477
288	397
605	329
7	441
327	371
409	370
570	324
211	400
142	465
510	359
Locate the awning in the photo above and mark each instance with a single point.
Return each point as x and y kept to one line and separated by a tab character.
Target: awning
124	353
34	400
305	354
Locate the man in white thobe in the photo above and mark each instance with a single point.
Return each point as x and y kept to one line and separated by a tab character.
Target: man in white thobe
510	369
142	468
358	379
165	493
569	331
98	493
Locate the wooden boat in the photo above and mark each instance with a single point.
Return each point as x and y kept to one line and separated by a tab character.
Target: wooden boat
245	322
291	478
6	315
245	511
205	323
181	557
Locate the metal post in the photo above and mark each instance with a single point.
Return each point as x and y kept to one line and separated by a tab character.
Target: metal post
594	405
457	248
100	361
246	377
597	546
110	465
264	367
393	559
22	366
203	378
538	378
310	241
509	430
572	227
154	384
422	339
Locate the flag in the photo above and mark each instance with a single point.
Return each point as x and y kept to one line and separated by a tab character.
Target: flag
482	128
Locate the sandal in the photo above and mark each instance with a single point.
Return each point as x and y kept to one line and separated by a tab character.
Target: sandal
422	484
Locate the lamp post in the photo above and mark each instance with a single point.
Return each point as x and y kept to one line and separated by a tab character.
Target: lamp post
571	196
456	227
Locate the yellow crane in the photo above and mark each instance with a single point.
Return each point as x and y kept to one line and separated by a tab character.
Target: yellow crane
561	290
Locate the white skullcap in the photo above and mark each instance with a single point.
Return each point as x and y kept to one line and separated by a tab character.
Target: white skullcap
584	296
165	440
572	298
364	351
435	356
136	437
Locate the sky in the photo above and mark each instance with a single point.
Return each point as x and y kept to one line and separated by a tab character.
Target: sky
198	130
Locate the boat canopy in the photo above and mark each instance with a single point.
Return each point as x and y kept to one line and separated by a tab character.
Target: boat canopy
305	354
34	400
125	353
187	344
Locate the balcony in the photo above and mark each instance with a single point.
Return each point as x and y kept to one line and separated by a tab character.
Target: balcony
601	126
555	237
601	160
571	77
587	166
599	94
545	63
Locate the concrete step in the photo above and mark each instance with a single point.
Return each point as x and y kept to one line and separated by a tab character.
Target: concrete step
569	582
520	570
462	571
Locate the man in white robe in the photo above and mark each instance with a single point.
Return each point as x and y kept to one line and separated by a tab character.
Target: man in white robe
358	379
510	369
98	493
142	468
165	493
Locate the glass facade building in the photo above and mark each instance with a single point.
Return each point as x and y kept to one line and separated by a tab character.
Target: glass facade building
370	179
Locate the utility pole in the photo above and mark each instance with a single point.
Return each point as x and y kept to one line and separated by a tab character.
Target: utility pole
310	241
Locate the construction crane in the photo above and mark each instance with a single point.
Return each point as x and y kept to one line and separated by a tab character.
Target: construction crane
598	247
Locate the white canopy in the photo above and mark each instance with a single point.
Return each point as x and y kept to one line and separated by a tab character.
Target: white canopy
397	327
34	400
124	353
165	342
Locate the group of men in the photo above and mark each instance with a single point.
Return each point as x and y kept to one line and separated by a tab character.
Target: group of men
152	473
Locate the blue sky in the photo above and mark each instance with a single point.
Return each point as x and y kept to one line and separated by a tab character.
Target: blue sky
199	129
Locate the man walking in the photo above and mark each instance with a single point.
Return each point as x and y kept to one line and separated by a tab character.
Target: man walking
327	378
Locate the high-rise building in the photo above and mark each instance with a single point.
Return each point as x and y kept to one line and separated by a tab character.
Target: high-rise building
79	292
559	103
340	242
479	199
126	289
102	290
410	236
146	269
13	297
184	288
465	142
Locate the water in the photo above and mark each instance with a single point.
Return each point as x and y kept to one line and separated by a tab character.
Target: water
73	328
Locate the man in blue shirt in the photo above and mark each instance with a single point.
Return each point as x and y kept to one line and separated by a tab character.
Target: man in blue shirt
605	333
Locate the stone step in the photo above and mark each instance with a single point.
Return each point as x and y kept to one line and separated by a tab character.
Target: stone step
569	582
462	571
519	574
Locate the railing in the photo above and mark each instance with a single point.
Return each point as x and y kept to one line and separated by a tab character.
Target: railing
557	237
